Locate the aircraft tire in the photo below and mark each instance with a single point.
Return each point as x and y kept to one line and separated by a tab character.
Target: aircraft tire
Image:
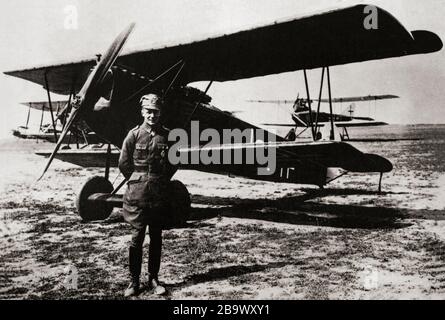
91	211
179	204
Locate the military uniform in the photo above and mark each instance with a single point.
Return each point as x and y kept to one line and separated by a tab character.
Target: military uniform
144	162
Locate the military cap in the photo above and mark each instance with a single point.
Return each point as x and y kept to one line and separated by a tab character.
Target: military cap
151	101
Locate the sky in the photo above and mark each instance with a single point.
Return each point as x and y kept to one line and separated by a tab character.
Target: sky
36	33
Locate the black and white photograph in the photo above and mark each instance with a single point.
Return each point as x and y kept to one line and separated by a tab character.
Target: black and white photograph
219	150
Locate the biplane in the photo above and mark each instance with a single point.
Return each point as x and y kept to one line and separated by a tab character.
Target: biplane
317	41
306	118
51	131
44	131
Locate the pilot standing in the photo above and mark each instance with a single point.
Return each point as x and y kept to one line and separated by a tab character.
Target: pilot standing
144	162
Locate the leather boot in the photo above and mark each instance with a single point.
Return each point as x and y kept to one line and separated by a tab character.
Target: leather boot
133	288
156	287
135	259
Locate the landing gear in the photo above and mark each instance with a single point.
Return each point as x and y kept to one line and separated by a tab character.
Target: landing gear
94	210
345	135
97	199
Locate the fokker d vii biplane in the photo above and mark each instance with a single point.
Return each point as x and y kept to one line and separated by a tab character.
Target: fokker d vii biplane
318	41
306	118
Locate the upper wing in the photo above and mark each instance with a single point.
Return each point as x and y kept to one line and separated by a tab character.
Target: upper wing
330	38
334	100
363	98
44	105
347	124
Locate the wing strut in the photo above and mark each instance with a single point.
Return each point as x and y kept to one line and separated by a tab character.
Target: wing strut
50	105
174	79
332	137
67	109
319	100
63	115
156	79
84	136
311	123
41	119
197	104
29	113
315	127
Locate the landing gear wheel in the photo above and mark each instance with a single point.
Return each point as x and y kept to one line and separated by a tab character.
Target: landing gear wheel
88	210
179	204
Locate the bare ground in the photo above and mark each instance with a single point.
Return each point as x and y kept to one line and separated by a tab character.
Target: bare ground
245	240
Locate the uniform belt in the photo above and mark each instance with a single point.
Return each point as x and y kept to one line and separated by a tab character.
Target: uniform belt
147	169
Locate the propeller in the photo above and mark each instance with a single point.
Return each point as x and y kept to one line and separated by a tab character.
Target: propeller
296	100
89	94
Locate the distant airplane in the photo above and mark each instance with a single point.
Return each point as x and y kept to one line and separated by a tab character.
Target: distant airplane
304	117
50	132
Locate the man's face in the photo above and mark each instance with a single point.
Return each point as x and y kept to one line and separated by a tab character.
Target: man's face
151	116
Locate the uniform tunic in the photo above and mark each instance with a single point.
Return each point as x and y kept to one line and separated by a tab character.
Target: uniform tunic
144	162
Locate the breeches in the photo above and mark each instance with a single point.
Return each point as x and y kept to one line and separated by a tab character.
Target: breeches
154	254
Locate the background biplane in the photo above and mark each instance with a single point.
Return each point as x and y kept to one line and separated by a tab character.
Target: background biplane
44	131
318	41
306	118
51	131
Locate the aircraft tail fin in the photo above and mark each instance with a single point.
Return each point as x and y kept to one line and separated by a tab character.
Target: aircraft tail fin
349	112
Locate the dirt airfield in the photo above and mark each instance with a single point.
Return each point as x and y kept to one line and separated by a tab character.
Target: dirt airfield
245	240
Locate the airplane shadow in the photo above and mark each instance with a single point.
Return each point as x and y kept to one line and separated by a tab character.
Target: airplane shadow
216	274
299	210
